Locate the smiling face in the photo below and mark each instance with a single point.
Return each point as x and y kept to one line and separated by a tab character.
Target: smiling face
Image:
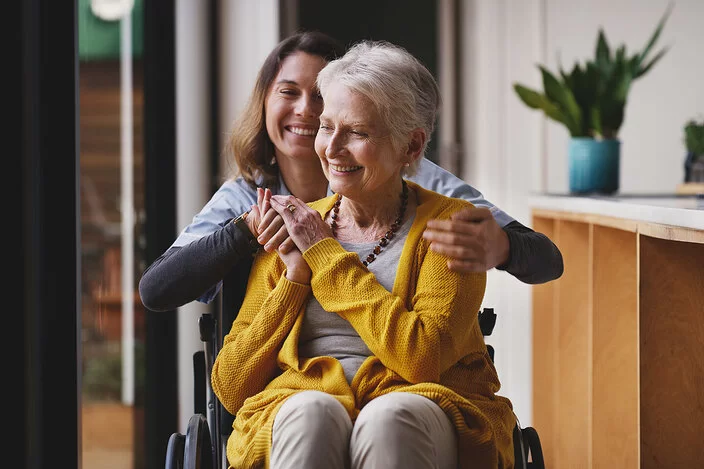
355	147
293	105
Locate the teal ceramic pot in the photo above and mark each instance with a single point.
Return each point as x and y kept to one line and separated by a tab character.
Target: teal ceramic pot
594	165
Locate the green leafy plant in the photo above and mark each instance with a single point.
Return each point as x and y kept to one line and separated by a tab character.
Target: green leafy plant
694	138
590	100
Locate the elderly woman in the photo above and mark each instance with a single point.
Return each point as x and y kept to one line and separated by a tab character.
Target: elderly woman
359	347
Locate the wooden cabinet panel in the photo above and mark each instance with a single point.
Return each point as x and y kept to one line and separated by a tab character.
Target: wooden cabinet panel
573	399
545	353
672	353
615	349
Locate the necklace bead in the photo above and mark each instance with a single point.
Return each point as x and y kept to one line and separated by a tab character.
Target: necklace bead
384	241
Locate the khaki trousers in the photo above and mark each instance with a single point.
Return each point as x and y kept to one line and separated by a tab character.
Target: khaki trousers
398	430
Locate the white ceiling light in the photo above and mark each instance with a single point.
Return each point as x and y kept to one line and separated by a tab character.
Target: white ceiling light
111	10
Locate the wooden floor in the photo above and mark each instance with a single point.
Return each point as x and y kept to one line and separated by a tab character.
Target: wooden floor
108	430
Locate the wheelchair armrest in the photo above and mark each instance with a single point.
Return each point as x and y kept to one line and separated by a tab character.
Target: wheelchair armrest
206	327
487	321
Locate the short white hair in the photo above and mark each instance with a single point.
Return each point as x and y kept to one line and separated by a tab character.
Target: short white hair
403	90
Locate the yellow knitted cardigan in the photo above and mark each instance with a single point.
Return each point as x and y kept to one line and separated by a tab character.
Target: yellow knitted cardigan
424	336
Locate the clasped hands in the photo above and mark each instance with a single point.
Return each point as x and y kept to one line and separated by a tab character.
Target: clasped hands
287	225
471	239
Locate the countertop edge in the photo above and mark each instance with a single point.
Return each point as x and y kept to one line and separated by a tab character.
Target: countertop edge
691	218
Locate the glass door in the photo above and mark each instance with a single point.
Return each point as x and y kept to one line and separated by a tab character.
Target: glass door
111	225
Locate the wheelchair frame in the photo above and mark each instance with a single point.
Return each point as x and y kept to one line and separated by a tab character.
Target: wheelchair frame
204	444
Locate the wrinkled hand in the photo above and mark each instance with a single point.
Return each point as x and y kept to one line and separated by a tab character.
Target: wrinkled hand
471	238
304	225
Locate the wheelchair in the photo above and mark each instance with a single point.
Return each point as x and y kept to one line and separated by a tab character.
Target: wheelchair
204	444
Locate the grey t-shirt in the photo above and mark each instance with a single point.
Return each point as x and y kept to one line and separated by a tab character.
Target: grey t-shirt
325	333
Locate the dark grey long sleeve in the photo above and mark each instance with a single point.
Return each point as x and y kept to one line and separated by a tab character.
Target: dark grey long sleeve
184	274
533	257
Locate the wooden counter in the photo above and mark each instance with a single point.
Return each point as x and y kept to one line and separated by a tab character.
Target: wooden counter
618	340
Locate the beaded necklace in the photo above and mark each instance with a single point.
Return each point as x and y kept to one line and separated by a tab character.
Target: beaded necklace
384	239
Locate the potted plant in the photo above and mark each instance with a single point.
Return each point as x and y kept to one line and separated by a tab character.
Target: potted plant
694	142
590	102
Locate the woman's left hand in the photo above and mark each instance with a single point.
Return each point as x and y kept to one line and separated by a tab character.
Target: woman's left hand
471	238
304	225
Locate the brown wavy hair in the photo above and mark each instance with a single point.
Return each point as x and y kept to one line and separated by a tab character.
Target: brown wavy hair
249	142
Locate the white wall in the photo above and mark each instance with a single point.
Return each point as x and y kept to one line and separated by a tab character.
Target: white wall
511	151
249	31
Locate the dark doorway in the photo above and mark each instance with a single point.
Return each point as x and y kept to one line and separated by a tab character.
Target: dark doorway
411	24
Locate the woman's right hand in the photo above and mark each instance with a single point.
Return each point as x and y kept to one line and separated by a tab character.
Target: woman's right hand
256	212
271	231
274	236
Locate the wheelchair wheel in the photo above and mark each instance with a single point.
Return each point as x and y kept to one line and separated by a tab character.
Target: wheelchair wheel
198	450
532	447
174	451
519	453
